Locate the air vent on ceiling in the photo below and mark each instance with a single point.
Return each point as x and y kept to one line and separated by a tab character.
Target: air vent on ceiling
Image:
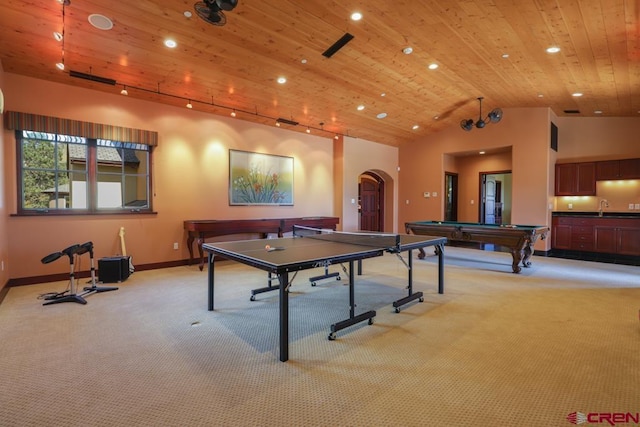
337	45
287	122
572	111
93	78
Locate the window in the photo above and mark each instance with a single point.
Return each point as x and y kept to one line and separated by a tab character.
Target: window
64	174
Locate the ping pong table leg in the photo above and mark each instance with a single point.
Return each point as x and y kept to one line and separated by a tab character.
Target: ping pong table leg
440	252
210	280
411	295
353	319
284	316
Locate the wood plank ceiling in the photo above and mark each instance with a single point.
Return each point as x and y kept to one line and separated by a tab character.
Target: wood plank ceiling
236	66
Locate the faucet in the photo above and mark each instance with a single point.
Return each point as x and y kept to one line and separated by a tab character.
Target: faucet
606	205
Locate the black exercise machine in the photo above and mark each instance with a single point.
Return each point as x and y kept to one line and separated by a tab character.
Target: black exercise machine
71	251
72	296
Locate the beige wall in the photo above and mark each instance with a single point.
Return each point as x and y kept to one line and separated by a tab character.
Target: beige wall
597	138
191	172
423	163
190	176
4	236
361	156
190	167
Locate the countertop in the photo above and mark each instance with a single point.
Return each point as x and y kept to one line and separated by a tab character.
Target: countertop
591	214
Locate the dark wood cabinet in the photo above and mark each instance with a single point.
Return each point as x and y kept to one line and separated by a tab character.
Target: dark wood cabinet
595	234
630	169
618	169
575	179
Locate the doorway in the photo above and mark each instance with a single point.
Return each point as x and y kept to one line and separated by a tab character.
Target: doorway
450	196
371	202
495	196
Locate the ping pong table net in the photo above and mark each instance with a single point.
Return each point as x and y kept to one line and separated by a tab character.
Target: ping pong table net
386	241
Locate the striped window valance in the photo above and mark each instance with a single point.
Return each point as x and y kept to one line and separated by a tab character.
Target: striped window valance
25	121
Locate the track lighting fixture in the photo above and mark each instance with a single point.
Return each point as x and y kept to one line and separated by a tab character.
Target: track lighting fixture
189	105
124	91
60	36
494	117
233	113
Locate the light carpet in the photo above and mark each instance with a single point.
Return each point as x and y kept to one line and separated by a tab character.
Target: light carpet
497	349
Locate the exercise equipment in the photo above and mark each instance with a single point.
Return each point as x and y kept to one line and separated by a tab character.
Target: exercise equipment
72	296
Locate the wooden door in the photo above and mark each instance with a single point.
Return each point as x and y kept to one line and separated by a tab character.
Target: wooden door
369	205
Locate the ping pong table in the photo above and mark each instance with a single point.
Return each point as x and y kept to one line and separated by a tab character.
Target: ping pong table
314	248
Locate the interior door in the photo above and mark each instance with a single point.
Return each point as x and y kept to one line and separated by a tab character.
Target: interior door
369	204
489	200
451	196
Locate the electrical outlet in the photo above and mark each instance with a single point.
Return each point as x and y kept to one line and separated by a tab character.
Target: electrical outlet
434	194
637	206
630	206
570	206
2	262
427	194
175	245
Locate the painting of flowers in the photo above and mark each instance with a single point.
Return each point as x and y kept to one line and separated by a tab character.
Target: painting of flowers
260	179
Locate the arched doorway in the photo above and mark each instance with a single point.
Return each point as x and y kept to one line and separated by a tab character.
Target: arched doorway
371	202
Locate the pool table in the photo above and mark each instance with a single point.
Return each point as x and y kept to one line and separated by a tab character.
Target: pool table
519	239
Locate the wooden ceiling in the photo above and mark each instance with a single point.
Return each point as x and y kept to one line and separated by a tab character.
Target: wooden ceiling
236	66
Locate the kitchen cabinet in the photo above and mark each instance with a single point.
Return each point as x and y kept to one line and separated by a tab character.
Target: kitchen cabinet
618	169
575	179
596	234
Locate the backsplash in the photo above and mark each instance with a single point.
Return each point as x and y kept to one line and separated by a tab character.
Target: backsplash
619	195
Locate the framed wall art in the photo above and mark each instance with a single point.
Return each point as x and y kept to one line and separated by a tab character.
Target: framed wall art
260	179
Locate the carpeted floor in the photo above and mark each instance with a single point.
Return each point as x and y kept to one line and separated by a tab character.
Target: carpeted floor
497	349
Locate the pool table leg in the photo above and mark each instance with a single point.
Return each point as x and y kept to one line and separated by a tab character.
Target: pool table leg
528	251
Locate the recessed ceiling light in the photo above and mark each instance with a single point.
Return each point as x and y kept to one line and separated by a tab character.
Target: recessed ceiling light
433	66
381	115
576	94
282	80
170	43
101	22
481	152
303	60
356	16
383	94
597	112
360	107
58	36
407	50
436	117
60	66
415	127
553	49
540	95
187	14
505	55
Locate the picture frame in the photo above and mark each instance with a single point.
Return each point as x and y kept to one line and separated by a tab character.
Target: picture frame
260	179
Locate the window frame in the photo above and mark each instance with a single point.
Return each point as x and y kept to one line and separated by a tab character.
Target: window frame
92	183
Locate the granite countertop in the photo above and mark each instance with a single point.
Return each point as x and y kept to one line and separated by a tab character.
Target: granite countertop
594	214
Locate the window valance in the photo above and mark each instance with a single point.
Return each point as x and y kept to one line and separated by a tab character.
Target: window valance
26	121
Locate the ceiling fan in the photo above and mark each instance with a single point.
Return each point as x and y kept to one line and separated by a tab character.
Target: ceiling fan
211	11
494	117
